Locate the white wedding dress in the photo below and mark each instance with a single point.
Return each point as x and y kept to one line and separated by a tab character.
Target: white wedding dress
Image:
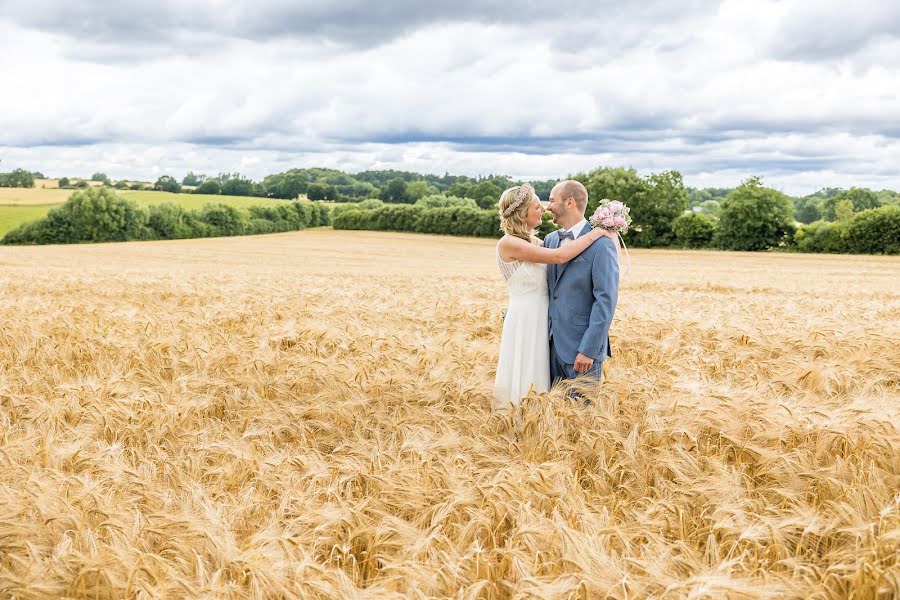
525	343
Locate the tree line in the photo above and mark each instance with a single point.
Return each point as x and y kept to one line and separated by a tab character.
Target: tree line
750	217
99	215
666	213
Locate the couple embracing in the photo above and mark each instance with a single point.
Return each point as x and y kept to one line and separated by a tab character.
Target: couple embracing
562	293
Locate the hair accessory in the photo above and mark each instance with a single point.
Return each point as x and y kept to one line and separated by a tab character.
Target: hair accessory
525	191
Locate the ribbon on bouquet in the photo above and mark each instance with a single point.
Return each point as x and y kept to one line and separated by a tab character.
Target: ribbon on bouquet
627	255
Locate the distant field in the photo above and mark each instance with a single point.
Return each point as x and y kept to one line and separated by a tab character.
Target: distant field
32	196
192	201
11	216
19	205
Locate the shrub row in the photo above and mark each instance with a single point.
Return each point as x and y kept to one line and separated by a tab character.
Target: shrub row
872	231
99	215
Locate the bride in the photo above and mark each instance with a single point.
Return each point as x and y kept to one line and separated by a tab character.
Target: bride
525	345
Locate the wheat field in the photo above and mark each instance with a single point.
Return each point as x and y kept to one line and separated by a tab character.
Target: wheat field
306	415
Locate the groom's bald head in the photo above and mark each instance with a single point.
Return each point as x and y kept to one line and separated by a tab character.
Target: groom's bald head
573	189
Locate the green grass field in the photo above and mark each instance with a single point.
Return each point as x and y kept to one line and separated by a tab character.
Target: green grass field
12	216
13	213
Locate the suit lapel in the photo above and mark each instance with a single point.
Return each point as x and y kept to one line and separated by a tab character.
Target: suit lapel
562	268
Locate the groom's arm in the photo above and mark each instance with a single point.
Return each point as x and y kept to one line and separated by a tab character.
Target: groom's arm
605	277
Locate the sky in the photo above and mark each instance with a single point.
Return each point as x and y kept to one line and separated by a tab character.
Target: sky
802	93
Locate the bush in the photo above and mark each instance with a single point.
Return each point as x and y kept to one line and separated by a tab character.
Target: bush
755	218
63	182
694	230
821	236
451	220
396	217
94	215
258	226
875	231
99	215
370	204
324	214
223	219
170	222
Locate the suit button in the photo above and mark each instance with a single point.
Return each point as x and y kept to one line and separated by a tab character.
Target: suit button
554	296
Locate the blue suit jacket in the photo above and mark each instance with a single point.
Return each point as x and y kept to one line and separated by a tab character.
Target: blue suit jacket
583	295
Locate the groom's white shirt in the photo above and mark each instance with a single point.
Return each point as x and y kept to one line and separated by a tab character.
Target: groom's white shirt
575	230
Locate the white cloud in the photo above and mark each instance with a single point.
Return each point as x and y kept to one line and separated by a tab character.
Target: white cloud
713	90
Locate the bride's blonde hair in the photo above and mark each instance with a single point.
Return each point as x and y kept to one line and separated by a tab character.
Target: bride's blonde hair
514	204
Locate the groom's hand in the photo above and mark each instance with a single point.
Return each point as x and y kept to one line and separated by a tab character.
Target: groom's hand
583	363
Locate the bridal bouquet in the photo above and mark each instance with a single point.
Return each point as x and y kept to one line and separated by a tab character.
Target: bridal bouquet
611	215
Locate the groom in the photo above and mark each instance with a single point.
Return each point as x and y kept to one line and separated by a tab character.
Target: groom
583	291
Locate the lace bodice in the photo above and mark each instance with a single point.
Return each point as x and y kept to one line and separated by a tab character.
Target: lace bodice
523	278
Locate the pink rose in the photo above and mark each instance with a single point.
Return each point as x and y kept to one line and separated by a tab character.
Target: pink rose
616	206
619	221
608	222
604	213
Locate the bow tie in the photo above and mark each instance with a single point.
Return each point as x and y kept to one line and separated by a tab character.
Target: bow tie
566	234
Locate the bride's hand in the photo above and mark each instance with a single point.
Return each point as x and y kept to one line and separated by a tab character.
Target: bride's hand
600	232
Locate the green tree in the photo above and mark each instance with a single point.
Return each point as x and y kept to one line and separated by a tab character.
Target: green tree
615	183
861	198
99	177
316	191
209	186
807	209
167	183
486	194
711	208
755	218
843	210
694	230
395	191
655	201
420	189
460	189
193	179
237	186
63	182
19	178
657	208
287	185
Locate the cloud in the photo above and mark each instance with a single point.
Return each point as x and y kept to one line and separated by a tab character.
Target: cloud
526	88
824	30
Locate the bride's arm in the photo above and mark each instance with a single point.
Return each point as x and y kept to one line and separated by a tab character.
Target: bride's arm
518	249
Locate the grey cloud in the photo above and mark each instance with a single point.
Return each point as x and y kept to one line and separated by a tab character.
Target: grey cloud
348	22
822	31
